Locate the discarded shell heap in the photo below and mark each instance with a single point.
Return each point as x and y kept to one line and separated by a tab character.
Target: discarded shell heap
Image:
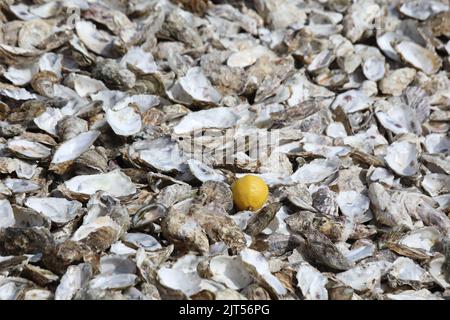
105	195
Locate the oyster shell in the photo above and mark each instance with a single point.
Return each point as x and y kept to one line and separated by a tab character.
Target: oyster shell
6	214
311	282
194	87
419	57
84	186
258	268
58	210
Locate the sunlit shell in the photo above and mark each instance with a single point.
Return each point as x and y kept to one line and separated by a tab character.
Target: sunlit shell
33	32
311	282
6	214
21	76
436	184
116	281
48	120
229	271
354	205
248	57
203	172
21	185
401	157
421	58
212	118
58	210
406	271
365	276
352	101
258	267
89	184
316	171
386	43
437	143
96	40
397	81
422	9
124	122
141	240
73	148
75	279
139	59
28	149
194	86
162	154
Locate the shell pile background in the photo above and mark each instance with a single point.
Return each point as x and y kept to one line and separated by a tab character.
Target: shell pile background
100	197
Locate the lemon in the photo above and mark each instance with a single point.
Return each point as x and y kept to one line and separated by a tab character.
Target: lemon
249	193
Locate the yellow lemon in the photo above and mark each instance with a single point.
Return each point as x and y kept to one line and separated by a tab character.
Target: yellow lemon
249	193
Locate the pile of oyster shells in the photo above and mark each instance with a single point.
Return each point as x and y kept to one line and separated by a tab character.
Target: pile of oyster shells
101	196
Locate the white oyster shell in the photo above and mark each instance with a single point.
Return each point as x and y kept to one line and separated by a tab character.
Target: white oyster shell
116	183
423	294
6	214
21	185
125	121
142	240
75	278
203	172
401	157
420	57
247	57
258	267
405	270
58	210
422	9
436	184
48	120
229	271
98	41
316	171
140	59
194	86
73	148
311	282
115	281
87	228
352	101
162	154
29	149
353	205
212	118
365	276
